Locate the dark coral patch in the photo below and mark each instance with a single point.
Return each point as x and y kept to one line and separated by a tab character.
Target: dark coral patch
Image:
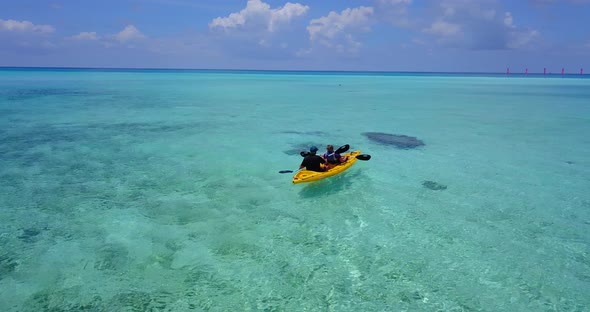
8	264
431	185
399	141
29	235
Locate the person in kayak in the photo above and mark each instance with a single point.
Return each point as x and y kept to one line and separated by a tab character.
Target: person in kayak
312	161
332	157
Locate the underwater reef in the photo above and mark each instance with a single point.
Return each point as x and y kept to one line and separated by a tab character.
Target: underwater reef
431	185
396	140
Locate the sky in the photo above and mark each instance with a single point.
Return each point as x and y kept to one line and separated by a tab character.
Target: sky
357	35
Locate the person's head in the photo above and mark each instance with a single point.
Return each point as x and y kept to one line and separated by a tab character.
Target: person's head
330	148
313	149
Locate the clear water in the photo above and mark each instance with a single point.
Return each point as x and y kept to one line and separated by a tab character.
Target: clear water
159	190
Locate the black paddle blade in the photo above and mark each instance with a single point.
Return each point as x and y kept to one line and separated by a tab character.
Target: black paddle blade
304	153
342	149
285	171
363	157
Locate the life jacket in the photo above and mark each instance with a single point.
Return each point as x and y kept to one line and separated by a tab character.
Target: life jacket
332	157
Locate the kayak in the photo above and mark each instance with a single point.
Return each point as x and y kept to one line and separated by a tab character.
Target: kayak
309	176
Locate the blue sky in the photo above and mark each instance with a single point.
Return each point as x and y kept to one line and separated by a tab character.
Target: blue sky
382	35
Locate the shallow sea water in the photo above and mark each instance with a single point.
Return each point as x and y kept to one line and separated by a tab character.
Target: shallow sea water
159	190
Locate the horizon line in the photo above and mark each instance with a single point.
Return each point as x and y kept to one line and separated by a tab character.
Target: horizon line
290	70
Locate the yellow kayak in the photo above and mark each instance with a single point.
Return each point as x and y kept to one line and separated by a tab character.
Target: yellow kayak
309	176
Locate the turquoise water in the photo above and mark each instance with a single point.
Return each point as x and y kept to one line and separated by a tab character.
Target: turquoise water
159	191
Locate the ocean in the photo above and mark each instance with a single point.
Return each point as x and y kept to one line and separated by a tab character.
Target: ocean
159	190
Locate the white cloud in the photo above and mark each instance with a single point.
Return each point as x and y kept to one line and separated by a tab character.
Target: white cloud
285	14
129	33
443	28
521	38
508	19
336	30
304	52
85	36
393	11
417	41
259	15
476	25
24	26
264	43
518	37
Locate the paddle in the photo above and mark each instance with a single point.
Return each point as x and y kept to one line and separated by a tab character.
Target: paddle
342	149
363	157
